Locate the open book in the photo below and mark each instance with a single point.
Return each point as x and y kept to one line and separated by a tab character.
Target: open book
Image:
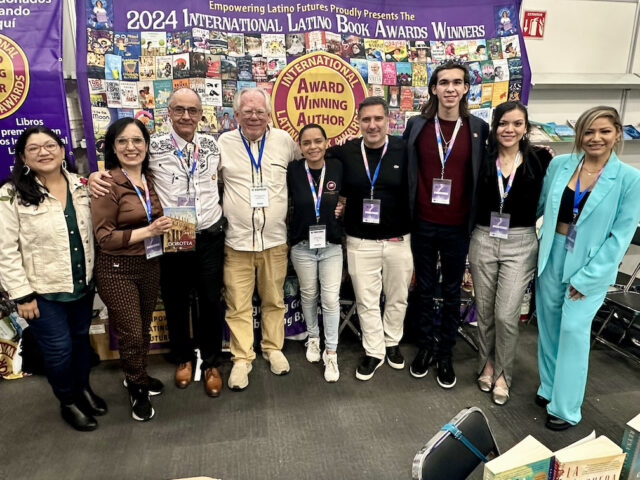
587	459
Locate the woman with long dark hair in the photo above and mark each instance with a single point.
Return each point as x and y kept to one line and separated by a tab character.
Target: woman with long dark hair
504	247
46	266
128	224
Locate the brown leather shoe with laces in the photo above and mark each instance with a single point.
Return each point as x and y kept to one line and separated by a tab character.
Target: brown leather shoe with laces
212	382
184	371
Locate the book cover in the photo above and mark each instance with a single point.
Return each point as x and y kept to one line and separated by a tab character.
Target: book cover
200	39
375	73
179	83
334	42
96	85
99	41
114	100
478	50
537	134
209	121
235	44
527	460
147	68
95	65
246	84
212	92
631	444
420	51
515	89
396	121
181	65
438	48
315	41
515	69
565	132
631	132
178	42
275	66
483	113
588	459
352	47
245	68
510	46
450	50
487	95
112	67
494	47
226	122
488	74
129	94
197	84
500	93
126	44
145	115
403	74
266	86
501	70
99	99
474	96
162	90
406	98
153	43
253	44
377	91
130	69
125	113
394	96
461	50
419	75
164	67
294	44
504	17
475	73
213	65
388	73
146	94
374	49
362	67
229	89
182	236
218	42
197	65
420	97
273	45
259	69
229	67
396	51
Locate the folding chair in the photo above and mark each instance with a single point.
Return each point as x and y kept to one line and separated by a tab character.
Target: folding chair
457	449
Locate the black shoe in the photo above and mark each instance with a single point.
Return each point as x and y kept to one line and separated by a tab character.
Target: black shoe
74	416
541	401
557	424
90	403
420	365
395	358
141	409
368	366
155	386
446	377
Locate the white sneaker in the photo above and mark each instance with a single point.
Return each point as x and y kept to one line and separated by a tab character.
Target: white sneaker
313	349
239	377
331	372
277	361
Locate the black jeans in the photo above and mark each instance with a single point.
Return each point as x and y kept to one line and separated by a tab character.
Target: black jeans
198	271
451	243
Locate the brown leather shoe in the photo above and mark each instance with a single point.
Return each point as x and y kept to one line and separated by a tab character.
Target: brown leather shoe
183	375
212	382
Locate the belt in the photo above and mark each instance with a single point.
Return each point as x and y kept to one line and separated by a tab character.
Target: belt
215	229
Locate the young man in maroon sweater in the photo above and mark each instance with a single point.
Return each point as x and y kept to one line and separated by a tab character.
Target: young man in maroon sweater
445	147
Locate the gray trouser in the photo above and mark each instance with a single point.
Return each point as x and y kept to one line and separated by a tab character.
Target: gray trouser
501	270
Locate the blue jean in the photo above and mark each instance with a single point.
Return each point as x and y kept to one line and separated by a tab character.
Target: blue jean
324	265
62	333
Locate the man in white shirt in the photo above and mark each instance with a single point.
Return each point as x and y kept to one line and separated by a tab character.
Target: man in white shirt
253	165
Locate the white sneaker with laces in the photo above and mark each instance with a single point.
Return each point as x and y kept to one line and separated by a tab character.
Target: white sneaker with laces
331	372
313	349
277	362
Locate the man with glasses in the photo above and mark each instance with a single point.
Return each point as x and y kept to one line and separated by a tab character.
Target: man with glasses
253	165
184	165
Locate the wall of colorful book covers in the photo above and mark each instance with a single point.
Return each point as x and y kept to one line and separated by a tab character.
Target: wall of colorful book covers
318	60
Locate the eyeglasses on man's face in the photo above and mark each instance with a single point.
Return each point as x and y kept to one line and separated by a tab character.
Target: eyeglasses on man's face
192	111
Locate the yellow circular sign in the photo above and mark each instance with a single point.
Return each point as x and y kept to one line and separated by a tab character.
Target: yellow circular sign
14	76
318	88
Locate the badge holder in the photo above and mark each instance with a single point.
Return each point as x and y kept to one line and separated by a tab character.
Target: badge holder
441	191
186	201
153	247
259	197
317	236
499	225
570	241
371	210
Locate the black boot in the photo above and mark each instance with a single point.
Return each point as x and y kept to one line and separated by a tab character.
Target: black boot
75	417
90	403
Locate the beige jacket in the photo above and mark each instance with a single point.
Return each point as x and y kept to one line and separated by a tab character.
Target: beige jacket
34	244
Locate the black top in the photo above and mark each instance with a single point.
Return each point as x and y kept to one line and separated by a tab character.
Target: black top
304	210
522	201
391	188
565	213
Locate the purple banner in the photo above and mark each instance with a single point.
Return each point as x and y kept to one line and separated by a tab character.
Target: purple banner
31	84
131	55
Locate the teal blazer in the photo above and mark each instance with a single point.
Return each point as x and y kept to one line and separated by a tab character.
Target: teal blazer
604	229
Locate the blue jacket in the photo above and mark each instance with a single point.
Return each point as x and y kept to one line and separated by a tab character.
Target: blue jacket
604	229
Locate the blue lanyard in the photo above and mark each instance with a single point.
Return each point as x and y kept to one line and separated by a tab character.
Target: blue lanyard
183	160
505	193
577	194
317	197
145	204
246	146
366	163
445	156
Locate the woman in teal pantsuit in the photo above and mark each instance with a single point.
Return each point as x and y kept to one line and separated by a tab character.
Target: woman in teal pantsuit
591	205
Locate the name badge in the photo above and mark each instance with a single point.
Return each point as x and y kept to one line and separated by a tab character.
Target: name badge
259	197
441	191
317	236
570	242
371	210
499	225
153	247
186	201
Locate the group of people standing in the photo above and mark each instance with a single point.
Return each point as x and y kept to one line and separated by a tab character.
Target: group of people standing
449	188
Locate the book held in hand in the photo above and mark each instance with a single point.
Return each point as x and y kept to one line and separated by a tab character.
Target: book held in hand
182	236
